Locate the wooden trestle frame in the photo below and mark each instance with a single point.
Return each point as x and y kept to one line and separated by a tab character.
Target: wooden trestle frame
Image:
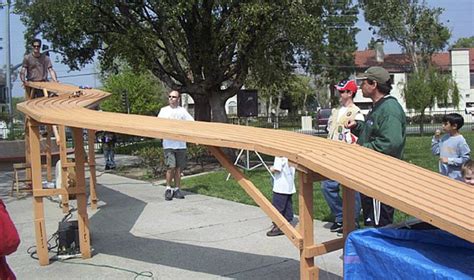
426	195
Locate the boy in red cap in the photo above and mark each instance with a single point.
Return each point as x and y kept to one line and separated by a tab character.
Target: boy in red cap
336	131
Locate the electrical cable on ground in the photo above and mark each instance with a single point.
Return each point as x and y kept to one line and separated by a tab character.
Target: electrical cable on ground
147	274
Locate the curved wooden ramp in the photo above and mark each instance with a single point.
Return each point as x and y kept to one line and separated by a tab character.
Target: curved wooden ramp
433	198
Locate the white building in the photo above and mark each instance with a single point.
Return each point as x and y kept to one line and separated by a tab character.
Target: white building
459	62
4	131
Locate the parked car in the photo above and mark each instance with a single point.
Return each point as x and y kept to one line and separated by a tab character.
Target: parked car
322	118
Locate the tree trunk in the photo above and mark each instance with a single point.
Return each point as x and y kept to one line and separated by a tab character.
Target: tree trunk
269	109
202	108
422	122
277	110
217	102
305	108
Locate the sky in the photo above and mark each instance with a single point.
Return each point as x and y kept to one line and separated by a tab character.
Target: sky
458	16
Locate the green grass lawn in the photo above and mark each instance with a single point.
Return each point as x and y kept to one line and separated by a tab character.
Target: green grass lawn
417	151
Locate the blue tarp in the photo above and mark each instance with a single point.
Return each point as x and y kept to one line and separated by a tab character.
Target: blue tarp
407	254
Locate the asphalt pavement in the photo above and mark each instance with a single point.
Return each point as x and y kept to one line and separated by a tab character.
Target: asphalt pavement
136	234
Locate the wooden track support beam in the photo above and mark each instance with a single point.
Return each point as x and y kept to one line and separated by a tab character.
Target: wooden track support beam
291	233
83	219
53	192
324	247
348	211
92	168
38	206
63	159
305	195
27	148
49	160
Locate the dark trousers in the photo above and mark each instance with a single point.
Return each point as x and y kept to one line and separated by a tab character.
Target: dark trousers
385	216
37	93
283	204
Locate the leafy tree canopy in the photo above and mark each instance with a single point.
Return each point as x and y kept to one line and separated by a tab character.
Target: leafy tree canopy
427	87
203	47
145	92
330	59
464	43
334	58
411	24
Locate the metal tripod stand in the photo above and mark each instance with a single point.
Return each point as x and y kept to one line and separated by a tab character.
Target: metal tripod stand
247	159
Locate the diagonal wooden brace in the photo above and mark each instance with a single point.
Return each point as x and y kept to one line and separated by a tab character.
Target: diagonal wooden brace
293	235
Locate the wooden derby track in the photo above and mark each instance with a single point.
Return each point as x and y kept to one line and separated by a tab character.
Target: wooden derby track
426	195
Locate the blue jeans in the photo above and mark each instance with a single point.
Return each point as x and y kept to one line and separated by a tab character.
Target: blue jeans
109	156
331	194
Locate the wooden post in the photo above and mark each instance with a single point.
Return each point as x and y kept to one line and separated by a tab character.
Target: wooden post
92	170
305	195
27	149
83	219
49	163
35	161
63	158
348	210
27	136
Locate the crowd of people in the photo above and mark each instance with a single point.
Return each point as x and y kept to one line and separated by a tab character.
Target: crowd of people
382	130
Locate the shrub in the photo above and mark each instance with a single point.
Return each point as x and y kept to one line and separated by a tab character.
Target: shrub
417	119
152	158
197	153
438	118
129	149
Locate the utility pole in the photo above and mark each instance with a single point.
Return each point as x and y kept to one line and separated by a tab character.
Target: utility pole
8	78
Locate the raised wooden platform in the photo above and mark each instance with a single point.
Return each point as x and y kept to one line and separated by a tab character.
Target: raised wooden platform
431	197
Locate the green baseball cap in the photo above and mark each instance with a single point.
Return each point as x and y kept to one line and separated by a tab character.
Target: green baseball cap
375	73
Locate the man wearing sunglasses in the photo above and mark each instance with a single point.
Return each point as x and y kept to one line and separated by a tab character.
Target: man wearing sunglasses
384	131
337	131
173	150
36	67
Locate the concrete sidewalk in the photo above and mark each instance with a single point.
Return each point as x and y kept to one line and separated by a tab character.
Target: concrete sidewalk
136	230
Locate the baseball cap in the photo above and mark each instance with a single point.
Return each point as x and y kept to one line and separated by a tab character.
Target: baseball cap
375	73
347	85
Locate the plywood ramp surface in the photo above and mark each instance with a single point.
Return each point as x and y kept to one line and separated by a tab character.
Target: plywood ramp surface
431	197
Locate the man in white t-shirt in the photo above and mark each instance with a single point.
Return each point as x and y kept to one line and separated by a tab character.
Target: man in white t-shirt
336	131
283	190
174	151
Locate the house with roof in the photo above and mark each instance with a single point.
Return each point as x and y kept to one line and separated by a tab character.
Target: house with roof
458	62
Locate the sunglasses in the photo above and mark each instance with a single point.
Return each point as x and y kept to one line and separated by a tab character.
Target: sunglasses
36	46
172	97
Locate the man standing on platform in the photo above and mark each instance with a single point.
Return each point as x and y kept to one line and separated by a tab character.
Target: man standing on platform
384	130
174	151
336	131
36	67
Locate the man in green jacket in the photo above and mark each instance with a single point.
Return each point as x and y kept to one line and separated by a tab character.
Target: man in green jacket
382	131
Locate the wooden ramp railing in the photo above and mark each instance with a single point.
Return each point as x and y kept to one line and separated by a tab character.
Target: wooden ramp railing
433	198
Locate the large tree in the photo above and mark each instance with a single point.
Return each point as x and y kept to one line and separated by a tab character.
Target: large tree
465	42
334	59
203	47
414	26
143	91
428	86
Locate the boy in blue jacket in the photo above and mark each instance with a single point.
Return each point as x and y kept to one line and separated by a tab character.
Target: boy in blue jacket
452	148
